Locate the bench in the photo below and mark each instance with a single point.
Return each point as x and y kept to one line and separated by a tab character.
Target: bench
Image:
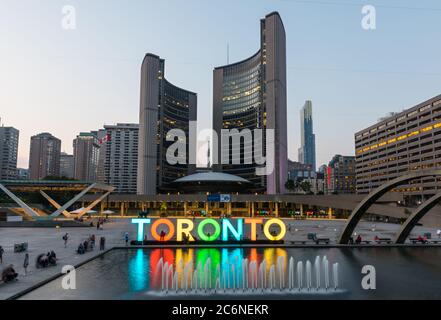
20	247
384	240
319	240
298	242
366	242
435	241
416	240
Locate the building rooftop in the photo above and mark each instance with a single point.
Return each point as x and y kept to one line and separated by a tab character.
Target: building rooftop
210	176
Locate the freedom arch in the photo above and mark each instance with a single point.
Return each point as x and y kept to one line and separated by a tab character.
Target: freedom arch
100	191
364	206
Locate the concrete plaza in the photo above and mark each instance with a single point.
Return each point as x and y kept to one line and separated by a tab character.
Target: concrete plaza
42	240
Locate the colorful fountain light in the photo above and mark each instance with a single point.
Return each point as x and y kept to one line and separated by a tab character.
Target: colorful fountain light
251	278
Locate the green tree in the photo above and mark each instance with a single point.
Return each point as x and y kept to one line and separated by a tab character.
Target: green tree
305	186
290	184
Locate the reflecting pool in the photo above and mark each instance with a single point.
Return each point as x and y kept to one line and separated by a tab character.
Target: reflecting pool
254	273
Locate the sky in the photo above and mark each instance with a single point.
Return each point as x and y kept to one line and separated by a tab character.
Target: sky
71	81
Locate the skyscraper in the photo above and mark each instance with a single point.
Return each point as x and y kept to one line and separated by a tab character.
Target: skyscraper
307	149
8	153
44	158
86	152
118	165
251	94
163	107
66	165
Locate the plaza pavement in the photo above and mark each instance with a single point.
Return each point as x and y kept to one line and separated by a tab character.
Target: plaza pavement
42	240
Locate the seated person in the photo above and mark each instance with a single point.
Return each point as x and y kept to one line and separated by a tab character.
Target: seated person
42	261
9	274
80	249
52	258
358	240
86	245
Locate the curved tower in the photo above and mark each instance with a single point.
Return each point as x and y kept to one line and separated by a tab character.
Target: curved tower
163	107
251	94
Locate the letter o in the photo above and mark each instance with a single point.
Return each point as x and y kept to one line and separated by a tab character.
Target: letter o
268	234
217	230
168	223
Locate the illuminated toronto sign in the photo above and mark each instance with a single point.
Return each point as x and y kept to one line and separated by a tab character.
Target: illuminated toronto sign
225	229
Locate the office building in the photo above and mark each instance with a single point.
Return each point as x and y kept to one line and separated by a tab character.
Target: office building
340	175
307	149
163	107
118	165
86	152
299	171
67	165
251	94
22	174
399	144
44	157
8	153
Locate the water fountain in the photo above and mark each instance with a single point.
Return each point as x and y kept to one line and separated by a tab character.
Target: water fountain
248	277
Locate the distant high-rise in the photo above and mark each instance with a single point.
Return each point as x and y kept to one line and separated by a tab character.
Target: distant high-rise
163	107
66	165
44	157
8	153
86	152
307	149
251	94
118	165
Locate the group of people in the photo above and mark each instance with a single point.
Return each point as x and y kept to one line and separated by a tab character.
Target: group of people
89	244
100	223
46	260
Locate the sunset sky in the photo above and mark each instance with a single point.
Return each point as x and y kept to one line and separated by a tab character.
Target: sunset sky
66	82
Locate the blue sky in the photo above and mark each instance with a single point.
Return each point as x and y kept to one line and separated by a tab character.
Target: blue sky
66	82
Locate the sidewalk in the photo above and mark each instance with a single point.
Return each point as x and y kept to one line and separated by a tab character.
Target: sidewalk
44	240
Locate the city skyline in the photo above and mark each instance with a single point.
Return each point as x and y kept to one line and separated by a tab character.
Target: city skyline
398	73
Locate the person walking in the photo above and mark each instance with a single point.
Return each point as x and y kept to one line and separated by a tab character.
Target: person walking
65	238
126	238
102	243
26	263
1	254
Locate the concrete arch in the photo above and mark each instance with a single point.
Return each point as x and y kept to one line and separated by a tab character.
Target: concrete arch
367	202
411	222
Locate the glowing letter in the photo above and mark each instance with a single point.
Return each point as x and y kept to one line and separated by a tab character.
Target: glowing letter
217	230
141	223
181	230
226	225
171	229
253	223
268	234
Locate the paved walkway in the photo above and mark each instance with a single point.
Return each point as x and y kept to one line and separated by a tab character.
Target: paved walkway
42	240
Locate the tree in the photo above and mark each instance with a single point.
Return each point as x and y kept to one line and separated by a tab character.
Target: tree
290	184
305	186
163	209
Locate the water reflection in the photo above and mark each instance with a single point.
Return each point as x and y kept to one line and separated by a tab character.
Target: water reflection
144	274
